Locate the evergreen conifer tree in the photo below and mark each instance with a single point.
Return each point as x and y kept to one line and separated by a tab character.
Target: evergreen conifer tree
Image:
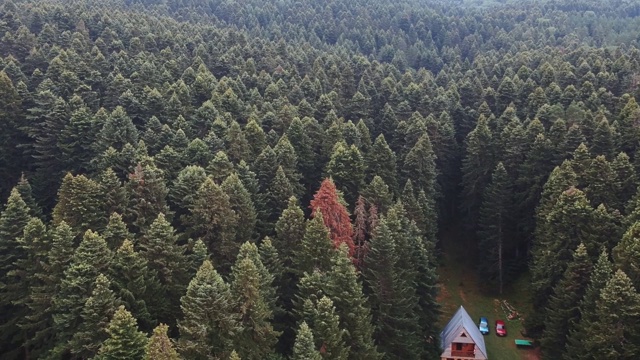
343	287
614	334
325	323
346	167
563	308
213	220
257	336
477	164
316	248
96	315
79	204
148	195
137	287
381	161
578	336
166	259
159	346
116	232
393	297
209	322
13	220
494	230
305	348
567	224
125	342
242	205
627	253
91	258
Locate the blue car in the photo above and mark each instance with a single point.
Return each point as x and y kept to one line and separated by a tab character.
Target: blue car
483	325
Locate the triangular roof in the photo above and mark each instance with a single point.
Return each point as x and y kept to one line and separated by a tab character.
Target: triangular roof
461	320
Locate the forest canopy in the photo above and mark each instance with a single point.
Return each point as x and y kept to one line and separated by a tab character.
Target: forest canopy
205	179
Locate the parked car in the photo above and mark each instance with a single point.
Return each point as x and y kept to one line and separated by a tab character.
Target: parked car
501	330
483	325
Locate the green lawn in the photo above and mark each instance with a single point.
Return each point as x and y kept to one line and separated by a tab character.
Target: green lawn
460	286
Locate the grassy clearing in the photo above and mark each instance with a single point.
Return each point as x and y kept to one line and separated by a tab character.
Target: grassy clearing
460	286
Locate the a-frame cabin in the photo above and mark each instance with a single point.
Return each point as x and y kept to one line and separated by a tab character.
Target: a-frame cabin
461	339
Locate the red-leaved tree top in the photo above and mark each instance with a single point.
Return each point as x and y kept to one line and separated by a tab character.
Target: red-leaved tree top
335	215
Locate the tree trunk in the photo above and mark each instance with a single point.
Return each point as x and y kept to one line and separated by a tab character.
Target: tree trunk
500	253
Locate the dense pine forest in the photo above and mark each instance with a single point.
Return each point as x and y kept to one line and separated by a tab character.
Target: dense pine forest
206	179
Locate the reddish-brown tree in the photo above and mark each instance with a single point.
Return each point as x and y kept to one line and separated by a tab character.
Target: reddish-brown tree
335	215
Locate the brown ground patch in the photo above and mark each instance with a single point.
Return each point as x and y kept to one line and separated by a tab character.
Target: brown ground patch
533	354
462	294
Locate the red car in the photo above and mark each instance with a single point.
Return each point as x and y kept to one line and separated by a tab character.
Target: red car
501	330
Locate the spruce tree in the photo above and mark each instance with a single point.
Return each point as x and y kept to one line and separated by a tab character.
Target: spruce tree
601	182
419	166
242	205
220	166
603	140
125	342
627	253
159	346
290	230
255	137
135	285
278	193
265	166
305	348
378	194
182	193
79	204
477	164
213	220
346	167
26	193
303	145
578	338
96	315
39	323
209	323
325	323
21	280
166	259
114	194
148	195
625	180
257	337
266	279
13	220
615	332
567	224
117	131
393	297
494	231
236	143
629	134
563	308
288	160
343	287
316	248
381	161
116	232
91	258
